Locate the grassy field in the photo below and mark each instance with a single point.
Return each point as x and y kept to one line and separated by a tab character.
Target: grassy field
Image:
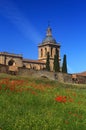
41	104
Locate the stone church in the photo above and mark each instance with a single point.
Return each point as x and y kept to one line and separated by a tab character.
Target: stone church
48	44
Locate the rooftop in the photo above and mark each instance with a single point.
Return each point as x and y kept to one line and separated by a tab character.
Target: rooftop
33	61
10	54
49	38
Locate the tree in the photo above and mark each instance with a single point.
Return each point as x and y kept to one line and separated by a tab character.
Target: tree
56	65
48	62
64	65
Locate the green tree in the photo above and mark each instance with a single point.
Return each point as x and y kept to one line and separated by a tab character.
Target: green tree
56	65
48	62
64	65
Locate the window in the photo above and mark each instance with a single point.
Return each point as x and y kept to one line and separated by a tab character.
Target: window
11	62
45	52
41	53
51	51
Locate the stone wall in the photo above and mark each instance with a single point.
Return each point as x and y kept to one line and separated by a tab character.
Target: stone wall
3	68
45	74
61	77
81	79
67	78
2	59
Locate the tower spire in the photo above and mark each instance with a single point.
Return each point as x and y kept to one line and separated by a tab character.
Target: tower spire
49	30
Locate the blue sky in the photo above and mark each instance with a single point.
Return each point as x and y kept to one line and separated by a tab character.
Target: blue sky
23	25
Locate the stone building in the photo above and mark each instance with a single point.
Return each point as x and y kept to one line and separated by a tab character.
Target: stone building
48	44
10	58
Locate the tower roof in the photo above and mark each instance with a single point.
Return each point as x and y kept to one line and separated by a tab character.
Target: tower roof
49	37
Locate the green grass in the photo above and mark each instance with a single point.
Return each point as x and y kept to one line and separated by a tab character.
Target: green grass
37	109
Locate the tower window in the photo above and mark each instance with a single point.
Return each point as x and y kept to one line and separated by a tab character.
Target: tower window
51	51
45	51
41	53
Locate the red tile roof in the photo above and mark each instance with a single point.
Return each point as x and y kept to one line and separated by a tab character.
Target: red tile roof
34	61
82	73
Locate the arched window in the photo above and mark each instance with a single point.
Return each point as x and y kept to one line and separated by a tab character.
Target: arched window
51	51
24	66
45	52
11	62
41	53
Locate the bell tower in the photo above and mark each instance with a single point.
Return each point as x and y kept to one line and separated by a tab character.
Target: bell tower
50	45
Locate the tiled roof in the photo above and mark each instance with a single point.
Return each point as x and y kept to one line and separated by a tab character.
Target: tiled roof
34	61
10	54
82	73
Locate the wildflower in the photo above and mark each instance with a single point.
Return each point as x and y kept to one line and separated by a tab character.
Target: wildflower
34	93
70	100
61	99
80	116
0	87
66	122
74	94
70	112
75	114
79	103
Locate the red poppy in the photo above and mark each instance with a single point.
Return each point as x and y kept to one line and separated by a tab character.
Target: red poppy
61	99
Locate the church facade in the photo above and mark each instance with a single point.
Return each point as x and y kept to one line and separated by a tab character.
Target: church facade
48	44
